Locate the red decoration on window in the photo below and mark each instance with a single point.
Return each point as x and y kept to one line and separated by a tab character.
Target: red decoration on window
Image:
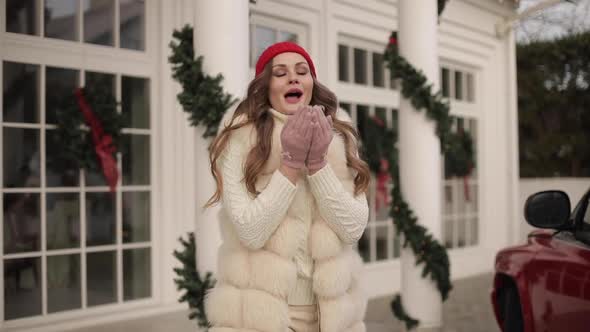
103	143
383	178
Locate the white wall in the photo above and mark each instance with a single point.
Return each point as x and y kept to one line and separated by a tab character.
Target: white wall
574	187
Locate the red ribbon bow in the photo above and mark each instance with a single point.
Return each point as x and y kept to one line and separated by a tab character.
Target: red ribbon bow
103	143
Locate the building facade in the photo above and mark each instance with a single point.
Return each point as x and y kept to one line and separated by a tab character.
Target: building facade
75	254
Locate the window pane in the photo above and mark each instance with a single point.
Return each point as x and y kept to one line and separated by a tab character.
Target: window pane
448	230
22	288
59	82
458	85
21	16
394	122
445	82
95	178
59	172
346	107
470	88
22	223
21	92
60	19
136	160
136	217
448	198
101	81
462	232
288	36
394	84
137	271
98	21
474	231
63	283
264	37
362	114
397	246
101	273
360	66
100	215
381	113
343	74
382	235
378	70
136	101
132	24
63	220
20	157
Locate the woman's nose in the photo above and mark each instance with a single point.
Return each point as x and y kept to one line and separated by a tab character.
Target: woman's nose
293	79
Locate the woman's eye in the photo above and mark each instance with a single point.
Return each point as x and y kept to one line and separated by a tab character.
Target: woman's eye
302	72
279	74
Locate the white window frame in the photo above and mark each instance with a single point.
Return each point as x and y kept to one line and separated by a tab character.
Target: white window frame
370	48
279	25
81	56
465	72
468	111
373	225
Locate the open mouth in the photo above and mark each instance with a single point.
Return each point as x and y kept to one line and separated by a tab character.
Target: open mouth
293	95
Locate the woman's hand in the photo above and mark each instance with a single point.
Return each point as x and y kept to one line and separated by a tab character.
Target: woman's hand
322	137
296	137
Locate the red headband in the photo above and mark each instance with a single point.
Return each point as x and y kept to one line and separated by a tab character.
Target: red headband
282	47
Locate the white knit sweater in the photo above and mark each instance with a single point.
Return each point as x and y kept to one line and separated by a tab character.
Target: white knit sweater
256	219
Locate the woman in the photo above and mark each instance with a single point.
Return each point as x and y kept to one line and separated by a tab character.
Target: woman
292	189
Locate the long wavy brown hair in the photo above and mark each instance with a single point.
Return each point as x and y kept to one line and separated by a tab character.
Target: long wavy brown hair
255	108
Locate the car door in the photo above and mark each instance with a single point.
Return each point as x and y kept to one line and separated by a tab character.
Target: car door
560	294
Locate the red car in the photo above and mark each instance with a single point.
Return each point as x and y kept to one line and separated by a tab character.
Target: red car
544	285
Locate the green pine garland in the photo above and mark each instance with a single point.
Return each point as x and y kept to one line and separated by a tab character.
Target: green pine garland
77	149
398	309
441	6
202	95
189	280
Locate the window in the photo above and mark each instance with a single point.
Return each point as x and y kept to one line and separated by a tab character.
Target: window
343	74
68	243
265	32
64	219
360	66
379	241
363	64
378	72
457	84
100	21
460	198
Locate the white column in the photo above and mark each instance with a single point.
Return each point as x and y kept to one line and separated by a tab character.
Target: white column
420	158
515	209
221	36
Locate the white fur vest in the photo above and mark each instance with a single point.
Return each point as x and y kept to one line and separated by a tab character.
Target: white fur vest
253	285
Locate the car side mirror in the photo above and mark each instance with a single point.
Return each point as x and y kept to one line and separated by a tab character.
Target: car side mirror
548	209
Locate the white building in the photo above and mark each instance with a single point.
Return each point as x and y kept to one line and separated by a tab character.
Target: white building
73	255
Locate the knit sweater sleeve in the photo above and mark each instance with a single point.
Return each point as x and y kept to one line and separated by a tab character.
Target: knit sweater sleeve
345	214
255	219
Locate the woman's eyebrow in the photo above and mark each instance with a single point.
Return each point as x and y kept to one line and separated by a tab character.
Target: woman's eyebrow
284	65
